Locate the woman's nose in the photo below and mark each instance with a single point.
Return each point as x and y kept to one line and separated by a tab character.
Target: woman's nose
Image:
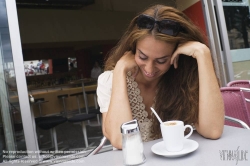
149	68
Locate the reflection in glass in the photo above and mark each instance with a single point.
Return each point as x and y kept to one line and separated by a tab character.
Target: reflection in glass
238	26
11	128
237	19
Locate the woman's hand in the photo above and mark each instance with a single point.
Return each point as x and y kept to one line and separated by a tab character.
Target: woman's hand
119	110
211	107
192	48
127	62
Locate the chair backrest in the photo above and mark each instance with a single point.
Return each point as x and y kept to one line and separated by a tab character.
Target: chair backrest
85	96
246	92
243	84
235	105
239	83
85	93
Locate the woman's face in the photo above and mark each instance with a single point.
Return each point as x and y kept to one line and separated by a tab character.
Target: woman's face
153	57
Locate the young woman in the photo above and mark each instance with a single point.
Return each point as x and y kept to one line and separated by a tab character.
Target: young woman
162	62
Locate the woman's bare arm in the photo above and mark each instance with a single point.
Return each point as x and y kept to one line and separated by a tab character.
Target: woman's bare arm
119	109
211	107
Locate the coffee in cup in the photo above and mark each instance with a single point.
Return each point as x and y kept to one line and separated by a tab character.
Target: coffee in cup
170	123
173	134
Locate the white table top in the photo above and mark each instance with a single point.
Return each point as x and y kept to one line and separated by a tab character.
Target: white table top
209	152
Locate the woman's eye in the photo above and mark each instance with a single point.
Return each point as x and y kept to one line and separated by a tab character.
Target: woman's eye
161	61
142	58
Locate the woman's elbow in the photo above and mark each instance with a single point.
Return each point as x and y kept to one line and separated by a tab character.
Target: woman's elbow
115	140
214	133
216	130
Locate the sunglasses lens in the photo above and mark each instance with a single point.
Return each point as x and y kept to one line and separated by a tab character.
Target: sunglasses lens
165	26
144	22
168	27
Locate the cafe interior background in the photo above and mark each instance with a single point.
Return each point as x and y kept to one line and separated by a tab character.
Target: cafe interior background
81	32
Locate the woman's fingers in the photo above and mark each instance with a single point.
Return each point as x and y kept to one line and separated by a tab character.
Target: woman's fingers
174	60
128	61
187	49
136	71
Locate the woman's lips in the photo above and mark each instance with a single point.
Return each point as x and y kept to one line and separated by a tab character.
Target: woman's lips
149	74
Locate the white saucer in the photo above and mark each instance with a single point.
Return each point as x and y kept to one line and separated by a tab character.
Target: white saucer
189	146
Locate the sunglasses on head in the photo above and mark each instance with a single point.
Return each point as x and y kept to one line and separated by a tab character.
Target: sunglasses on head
165	26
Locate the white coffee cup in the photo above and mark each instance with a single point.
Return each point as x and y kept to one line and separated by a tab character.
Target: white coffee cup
173	134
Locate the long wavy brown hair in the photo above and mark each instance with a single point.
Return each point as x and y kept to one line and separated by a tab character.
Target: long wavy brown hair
178	90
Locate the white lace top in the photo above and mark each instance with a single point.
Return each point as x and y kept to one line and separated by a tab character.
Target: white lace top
104	89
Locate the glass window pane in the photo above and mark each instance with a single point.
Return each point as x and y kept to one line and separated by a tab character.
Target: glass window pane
11	128
237	17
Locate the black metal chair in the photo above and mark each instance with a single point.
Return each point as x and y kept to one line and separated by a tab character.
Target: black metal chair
38	102
17	123
78	101
82	118
63	97
96	109
48	123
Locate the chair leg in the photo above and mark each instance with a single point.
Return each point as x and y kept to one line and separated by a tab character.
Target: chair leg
84	130
95	99
51	138
64	107
78	104
38	137
40	108
98	119
54	138
96	107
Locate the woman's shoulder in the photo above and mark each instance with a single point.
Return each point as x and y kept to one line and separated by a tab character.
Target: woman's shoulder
105	77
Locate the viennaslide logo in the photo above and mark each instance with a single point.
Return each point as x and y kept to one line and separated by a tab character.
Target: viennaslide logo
236	155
